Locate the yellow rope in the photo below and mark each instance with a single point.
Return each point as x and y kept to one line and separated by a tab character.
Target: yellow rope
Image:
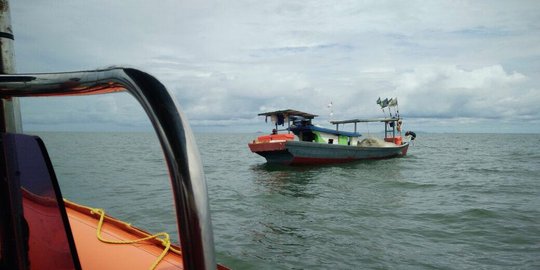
165	240
163	237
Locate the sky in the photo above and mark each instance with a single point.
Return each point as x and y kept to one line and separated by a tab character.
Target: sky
454	66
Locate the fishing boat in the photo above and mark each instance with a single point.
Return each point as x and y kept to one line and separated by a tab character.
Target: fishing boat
40	229
305	143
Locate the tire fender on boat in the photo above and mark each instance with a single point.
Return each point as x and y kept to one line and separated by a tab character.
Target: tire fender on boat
412	134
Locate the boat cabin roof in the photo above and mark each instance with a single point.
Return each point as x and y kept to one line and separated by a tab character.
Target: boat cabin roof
290	112
393	119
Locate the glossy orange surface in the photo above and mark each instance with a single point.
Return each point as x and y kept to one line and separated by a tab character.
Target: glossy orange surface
95	254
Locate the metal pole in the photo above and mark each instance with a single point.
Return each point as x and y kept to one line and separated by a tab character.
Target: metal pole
177	141
10	113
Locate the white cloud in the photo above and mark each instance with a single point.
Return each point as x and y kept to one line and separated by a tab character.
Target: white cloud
229	60
488	92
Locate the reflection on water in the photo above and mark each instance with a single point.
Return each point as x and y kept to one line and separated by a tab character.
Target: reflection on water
286	180
299	203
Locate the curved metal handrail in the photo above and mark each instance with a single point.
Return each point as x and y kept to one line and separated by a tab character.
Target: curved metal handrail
174	133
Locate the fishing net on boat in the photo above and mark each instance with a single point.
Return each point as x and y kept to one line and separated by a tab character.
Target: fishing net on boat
374	142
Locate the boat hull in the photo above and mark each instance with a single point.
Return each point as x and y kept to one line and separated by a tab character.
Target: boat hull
298	152
96	254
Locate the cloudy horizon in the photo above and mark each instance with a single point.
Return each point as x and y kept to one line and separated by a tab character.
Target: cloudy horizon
455	66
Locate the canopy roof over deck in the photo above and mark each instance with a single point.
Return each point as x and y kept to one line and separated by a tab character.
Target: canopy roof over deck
393	119
290	112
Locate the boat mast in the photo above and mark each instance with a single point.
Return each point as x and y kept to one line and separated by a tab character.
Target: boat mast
10	113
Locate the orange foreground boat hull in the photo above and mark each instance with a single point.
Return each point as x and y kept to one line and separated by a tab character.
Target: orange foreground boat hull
94	254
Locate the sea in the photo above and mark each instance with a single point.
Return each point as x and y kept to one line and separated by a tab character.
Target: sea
456	201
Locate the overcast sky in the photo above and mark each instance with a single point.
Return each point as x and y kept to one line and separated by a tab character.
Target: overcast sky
463	66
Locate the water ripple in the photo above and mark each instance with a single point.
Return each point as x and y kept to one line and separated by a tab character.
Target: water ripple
452	203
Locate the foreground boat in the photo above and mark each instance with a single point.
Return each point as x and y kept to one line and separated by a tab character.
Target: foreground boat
85	237
317	145
40	230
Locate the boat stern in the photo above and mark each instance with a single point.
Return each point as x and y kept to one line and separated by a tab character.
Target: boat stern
273	147
272	142
273	138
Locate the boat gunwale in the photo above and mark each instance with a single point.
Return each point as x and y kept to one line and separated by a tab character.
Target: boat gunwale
316	144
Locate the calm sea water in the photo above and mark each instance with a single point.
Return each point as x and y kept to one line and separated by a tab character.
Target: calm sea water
457	201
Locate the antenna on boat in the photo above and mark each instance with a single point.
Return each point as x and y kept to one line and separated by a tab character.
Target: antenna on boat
393	103
331	107
10	113
397	107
